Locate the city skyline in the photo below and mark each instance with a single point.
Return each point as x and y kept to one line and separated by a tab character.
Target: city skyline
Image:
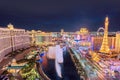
56	15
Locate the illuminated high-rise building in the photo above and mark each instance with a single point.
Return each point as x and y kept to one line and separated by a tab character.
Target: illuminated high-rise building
96	42
40	38
104	47
117	44
62	31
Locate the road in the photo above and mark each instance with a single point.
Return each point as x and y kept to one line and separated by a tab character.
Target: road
92	69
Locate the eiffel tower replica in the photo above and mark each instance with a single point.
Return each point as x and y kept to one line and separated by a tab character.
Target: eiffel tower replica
104	47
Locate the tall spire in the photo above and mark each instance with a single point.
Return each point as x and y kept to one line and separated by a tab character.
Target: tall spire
104	47
106	23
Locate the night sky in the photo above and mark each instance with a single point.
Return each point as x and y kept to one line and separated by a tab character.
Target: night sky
53	15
